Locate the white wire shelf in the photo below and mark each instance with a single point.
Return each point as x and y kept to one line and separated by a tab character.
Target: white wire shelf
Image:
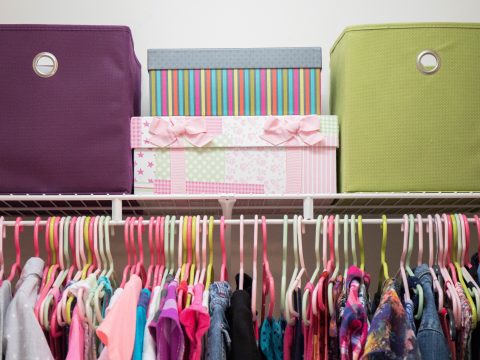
247	204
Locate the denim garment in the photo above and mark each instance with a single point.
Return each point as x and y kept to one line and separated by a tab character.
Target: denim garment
430	337
218	339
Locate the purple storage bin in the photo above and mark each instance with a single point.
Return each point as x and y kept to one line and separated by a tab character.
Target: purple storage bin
67	94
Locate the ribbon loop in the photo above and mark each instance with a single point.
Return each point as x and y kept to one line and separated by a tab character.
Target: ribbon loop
165	132
278	131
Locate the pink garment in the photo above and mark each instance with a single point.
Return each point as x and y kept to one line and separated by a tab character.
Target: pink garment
117	331
75	338
196	321
288	342
308	329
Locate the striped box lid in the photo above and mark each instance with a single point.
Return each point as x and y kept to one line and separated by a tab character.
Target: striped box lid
235	58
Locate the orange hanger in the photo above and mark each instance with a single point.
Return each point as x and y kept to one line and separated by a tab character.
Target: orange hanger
268	283
223	269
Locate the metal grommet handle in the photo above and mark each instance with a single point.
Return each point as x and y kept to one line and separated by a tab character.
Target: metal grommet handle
428	62
45	64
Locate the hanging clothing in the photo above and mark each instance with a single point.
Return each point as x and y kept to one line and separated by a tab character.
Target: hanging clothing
390	334
218	339
22	335
298	343
430	338
76	338
240	320
166	329
140	324
354	327
117	331
196	321
149	350
464	335
5	299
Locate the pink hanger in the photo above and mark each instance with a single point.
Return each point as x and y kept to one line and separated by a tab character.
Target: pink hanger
467	241
48	251
315	301
36	228
449	236
140	267
436	284
268	283
241	272
477	222
133	248
91	241
126	238
254	272
151	248
419	229
16	267
223	269
330	263
160	239
405	228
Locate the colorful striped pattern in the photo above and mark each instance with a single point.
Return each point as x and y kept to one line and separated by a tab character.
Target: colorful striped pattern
235	92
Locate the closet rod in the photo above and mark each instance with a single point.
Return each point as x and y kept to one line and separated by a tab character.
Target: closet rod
368	221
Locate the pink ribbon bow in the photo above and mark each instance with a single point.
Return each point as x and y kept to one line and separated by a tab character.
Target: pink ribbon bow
167	132
291	131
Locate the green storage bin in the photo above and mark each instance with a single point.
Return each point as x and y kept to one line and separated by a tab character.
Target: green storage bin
407	124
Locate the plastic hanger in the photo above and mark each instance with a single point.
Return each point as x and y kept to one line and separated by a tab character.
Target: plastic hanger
16	267
171	235
353	239
283	285
345	247
268	283
303	271
180	250
295	267
86	238
477	222
436	284
168	261
317	295
198	260
3	234
187	262
126	238
151	249
48	251
102	245
140	266
241	271
210	254
331	305
223	269
253	303
193	266
403	271
442	259
383	274
204	250
160	265
418	289
71	238
306	294
360	242
458	240
93	237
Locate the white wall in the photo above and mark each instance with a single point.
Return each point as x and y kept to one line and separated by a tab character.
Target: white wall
246	23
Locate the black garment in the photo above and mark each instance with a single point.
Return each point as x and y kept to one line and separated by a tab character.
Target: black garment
475	351
298	345
239	316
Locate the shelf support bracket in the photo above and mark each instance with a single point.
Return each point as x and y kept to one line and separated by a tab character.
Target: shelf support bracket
308	208
227	211
116	209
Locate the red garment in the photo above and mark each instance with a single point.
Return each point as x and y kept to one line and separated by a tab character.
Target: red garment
288	342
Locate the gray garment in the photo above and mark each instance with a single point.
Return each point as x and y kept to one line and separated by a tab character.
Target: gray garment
23	337
430	338
5	298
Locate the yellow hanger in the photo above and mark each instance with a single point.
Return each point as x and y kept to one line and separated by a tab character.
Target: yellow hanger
52	248
191	278
210	253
